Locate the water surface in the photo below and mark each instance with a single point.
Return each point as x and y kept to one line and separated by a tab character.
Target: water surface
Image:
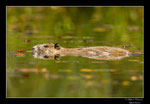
74	27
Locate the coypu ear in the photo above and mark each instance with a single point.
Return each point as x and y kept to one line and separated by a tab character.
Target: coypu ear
56	46
56	57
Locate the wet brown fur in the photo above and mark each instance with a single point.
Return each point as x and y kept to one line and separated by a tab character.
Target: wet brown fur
96	52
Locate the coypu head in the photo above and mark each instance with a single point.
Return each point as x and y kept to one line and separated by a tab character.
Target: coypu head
46	51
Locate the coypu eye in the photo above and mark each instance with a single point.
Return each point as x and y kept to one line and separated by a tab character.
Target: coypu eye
46	56
56	46
56	56
46	46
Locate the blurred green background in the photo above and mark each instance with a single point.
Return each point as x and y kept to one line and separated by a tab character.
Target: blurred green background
74	27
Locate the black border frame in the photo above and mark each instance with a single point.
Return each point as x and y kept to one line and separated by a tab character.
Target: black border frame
3	4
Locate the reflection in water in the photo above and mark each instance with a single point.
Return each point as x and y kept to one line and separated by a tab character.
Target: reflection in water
54	51
88	75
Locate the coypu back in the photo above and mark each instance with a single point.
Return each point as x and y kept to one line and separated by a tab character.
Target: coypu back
52	51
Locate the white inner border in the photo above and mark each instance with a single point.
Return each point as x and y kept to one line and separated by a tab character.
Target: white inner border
73	97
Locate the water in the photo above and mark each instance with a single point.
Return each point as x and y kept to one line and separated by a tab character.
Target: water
74	27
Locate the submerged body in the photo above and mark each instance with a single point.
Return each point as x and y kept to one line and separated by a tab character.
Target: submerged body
54	51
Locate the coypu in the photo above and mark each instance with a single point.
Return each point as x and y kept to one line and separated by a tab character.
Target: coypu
54	51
